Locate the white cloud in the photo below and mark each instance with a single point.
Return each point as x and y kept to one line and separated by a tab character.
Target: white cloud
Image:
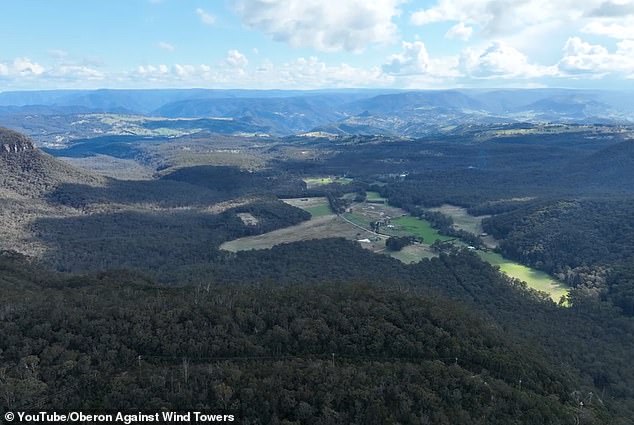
496	15
236	59
326	25
265	66
412	67
613	9
313	73
22	70
24	66
620	29
75	72
459	31
307	73
166	46
184	71
522	21
581	58
441	72
182	74
500	60
413	59
205	17
152	71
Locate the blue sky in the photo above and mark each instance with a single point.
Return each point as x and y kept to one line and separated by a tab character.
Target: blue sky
316	43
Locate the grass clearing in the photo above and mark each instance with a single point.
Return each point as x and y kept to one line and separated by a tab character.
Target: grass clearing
321	181
317	207
461	218
534	278
374	197
319	210
248	219
464	221
419	228
358	219
324	224
329	226
412	253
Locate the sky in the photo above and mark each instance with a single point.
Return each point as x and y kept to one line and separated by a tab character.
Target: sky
315	44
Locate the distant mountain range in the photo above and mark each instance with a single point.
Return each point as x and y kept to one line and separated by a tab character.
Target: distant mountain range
329	112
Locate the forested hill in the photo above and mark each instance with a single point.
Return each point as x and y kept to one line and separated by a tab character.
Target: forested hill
13	142
319	354
26	171
614	164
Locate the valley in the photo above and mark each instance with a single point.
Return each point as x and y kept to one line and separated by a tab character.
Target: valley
500	223
356	225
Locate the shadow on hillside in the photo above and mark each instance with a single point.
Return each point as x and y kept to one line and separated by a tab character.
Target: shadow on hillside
151	241
200	185
157	192
157	241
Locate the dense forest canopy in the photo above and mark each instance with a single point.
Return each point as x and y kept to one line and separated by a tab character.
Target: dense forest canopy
116	340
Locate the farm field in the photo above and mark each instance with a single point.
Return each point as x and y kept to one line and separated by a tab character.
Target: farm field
319	210
413	253
419	228
534	278
329	226
365	213
374	197
358	219
320	181
317	207
461	218
467	222
324	224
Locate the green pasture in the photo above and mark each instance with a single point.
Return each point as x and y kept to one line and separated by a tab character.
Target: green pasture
319	210
420	228
320	181
374	196
534	278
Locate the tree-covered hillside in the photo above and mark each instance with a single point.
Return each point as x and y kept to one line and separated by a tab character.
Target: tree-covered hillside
315	354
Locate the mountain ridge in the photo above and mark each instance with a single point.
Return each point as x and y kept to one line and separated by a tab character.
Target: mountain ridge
72	115
14	142
27	171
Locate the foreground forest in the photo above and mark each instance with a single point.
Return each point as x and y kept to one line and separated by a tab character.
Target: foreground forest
281	353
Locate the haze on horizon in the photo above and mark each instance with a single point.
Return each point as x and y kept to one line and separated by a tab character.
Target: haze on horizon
313	44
